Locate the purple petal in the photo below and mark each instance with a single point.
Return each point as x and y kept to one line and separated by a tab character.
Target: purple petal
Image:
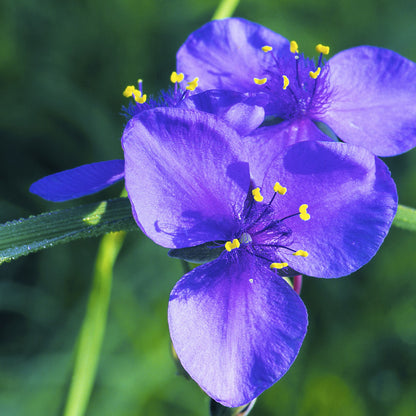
80	181
265	144
227	54
372	100
238	110
184	181
352	201
236	326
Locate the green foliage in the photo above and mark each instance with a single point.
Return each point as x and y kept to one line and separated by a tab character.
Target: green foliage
21	237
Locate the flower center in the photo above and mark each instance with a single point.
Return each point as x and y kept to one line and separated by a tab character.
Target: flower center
170	98
295	83
264	236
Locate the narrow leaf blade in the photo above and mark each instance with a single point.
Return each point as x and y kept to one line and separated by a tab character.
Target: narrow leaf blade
28	235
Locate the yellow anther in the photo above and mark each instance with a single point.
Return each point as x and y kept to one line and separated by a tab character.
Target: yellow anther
322	49
285	81
174	77
230	245
303	214
128	92
193	84
301	253
279	188
266	48
260	81
141	99
315	74
278	265
257	195
294	48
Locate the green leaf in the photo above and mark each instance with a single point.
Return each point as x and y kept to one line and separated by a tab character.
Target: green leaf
405	218
21	237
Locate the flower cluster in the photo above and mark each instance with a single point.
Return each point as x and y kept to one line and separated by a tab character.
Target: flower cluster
366	95
235	165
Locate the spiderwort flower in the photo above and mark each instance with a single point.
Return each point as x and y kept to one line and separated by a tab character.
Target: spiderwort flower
366	95
240	111
321	210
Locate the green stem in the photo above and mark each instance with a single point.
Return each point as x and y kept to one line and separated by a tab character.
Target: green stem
93	328
225	9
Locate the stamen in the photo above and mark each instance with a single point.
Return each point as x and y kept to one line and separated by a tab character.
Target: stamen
257	195
128	92
278	265
279	188
303	214
315	74
174	77
266	48
260	81
294	48
230	245
139	98
132	91
285	81
193	84
322	49
301	253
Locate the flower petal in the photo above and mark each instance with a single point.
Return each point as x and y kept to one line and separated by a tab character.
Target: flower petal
373	99
351	200
183	179
78	182
227	54
238	110
236	326
263	145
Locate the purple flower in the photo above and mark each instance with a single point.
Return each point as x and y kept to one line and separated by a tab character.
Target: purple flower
322	209
366	95
240	111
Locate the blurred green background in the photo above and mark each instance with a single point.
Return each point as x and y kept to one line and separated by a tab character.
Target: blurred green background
63	67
